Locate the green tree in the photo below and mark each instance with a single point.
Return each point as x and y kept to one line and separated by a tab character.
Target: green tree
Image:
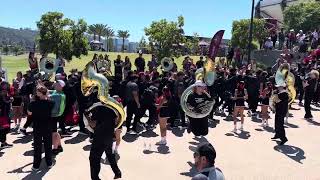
62	36
240	32
16	50
304	16
165	37
142	43
6	49
192	44
92	30
109	33
124	35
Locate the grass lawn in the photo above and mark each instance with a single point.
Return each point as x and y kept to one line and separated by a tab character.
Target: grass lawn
13	64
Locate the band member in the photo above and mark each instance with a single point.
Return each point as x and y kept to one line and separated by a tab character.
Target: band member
118	69
310	86
40	110
33	63
59	99
4	114
197	100
164	114
239	97
265	97
104	126
133	104
140	63
281	111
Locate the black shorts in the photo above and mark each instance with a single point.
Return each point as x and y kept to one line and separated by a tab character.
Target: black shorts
265	101
164	112
54	125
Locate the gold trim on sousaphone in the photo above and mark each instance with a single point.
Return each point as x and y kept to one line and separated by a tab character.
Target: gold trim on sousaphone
90	80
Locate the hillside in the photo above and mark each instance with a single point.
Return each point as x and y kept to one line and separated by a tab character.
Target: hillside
24	37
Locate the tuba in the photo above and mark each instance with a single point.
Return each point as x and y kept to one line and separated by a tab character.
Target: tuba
90	80
49	66
166	64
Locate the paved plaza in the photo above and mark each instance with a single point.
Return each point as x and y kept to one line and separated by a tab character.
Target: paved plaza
250	155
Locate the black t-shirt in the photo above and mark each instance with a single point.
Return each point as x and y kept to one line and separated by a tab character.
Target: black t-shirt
41	114
105	122
198	101
199	64
118	67
140	63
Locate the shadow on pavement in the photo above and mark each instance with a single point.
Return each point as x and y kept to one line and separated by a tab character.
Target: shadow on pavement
130	138
311	121
243	135
178	131
291	125
161	149
192	172
294	153
87	147
23	139
149	133
77	139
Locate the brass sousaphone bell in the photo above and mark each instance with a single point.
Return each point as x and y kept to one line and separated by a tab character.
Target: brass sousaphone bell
166	64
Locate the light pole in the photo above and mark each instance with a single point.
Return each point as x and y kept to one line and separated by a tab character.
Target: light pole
250	32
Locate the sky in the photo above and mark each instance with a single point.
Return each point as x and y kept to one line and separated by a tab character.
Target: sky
202	16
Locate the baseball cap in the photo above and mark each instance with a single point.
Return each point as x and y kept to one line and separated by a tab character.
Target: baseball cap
61	83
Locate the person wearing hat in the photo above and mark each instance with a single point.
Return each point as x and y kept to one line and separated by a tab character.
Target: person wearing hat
59	99
204	158
140	62
268	44
198	99
281	109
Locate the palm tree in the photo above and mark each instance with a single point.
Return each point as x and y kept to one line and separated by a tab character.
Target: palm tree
109	34
100	30
124	35
92	30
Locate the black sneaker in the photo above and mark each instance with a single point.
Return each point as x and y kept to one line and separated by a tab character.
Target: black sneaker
283	142
117	176
83	132
55	152
24	132
275	138
60	149
6	145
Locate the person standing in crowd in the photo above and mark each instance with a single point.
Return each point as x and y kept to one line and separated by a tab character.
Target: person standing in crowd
4	114
164	114
118	68
291	39
230	56
33	63
310	87
40	110
200	62
179	87
17	103
198	99
281	37
265	98
140	63
315	39
175	67
274	38
239	97
107	63
186	64
126	67
104	128
281	112
237	57
268	44
148	102
59	99
133	104
253	86
204	159
153	63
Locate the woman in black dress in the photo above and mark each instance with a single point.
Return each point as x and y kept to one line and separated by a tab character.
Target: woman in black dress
240	96
265	98
164	114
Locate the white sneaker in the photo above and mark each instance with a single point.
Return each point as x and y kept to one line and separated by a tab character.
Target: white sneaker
234	130
241	128
162	142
